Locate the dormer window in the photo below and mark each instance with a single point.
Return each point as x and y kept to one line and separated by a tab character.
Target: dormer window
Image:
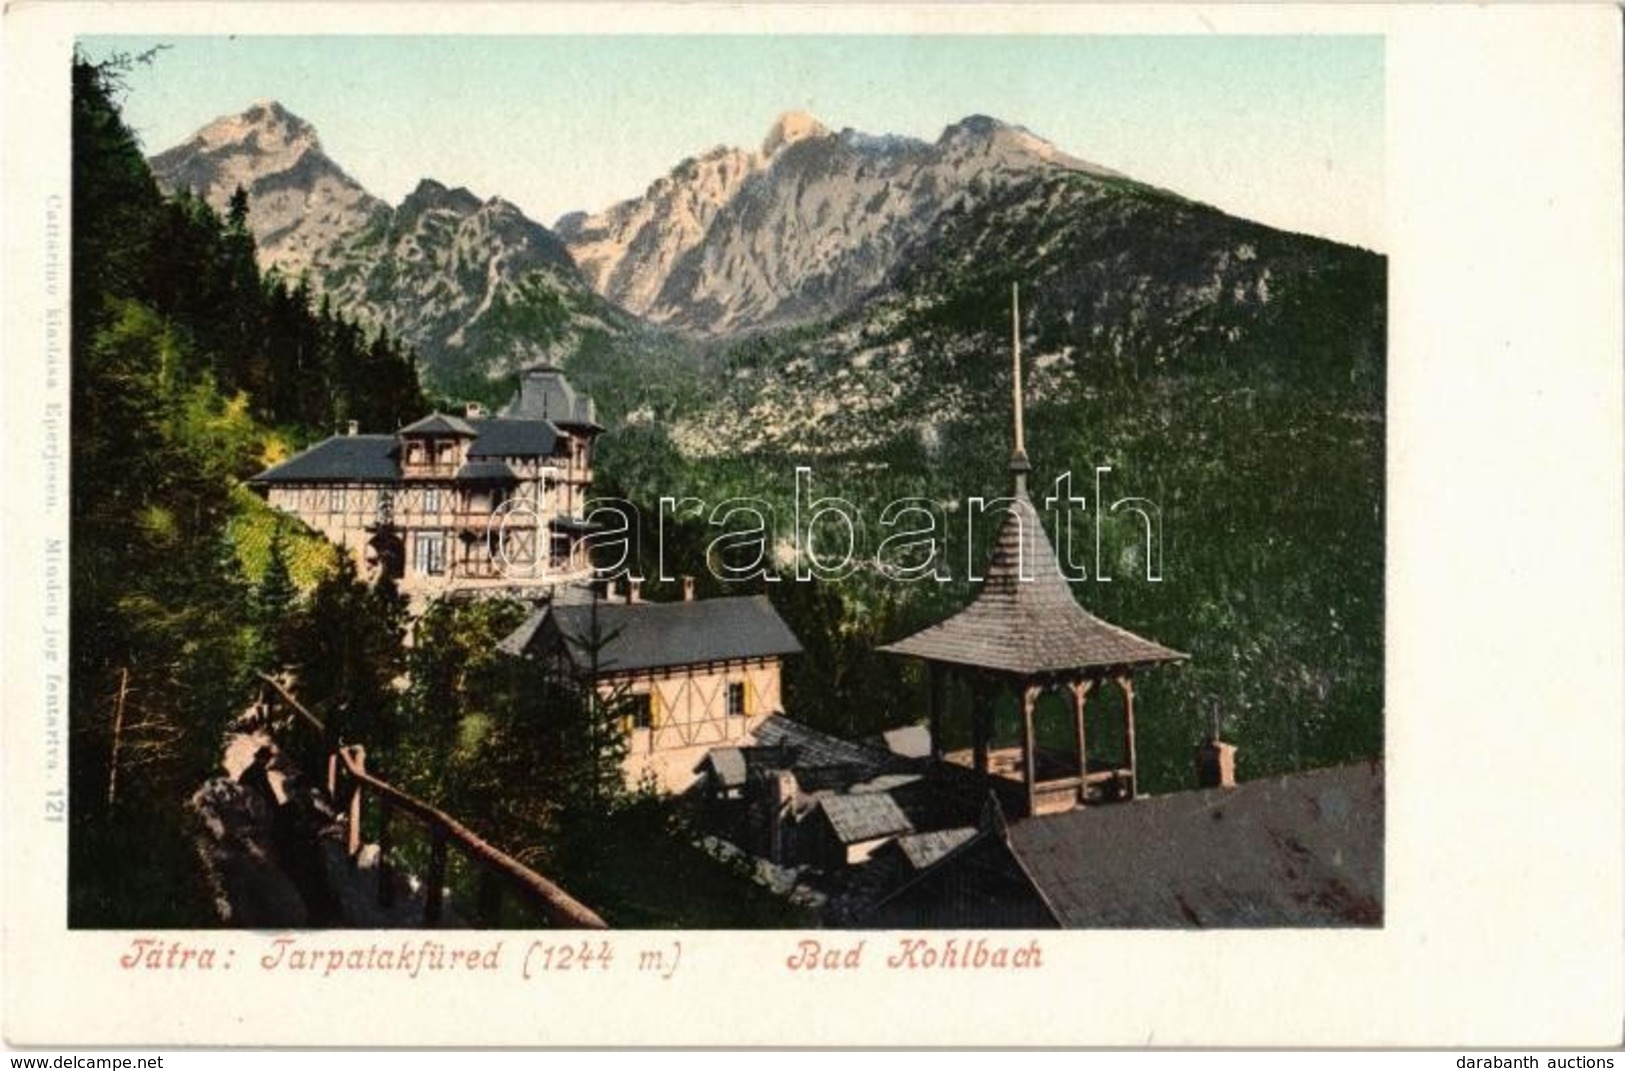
414	453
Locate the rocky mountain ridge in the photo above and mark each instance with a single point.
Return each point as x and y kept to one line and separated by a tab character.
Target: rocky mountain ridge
302	201
475	285
738	240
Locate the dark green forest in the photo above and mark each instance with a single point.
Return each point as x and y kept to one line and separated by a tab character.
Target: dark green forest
183	584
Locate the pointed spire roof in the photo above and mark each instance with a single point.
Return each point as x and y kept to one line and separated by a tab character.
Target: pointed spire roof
1029	626
1025	620
1019	465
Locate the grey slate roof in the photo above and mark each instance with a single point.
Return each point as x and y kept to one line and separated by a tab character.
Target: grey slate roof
867	816
923	849
811	749
657	635
1305	849
519	640
1028	626
513	438
342	458
374	458
544	394
439	424
728	763
487	472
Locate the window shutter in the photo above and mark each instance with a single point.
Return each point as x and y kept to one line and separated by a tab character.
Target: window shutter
656	711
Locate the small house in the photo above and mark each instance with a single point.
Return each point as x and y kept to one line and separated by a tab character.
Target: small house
696	674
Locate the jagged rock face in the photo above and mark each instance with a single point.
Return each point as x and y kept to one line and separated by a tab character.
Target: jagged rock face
1122	285
302	201
627	252
477	287
801	229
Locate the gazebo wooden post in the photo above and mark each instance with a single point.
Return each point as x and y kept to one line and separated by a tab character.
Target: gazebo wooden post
1126	683
1080	692
981	717
1029	743
934	681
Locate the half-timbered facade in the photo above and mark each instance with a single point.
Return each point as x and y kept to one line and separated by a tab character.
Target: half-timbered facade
456	503
694	675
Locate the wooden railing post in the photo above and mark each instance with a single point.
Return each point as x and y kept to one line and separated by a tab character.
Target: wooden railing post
359	753
434	892
556	905
386	884
489	909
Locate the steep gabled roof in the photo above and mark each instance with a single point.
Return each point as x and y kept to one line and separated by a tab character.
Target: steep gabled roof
544	394
439	424
340	459
658	635
1028	626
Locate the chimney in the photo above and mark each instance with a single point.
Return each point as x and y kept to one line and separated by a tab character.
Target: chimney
634	593
688	589
1215	763
612	591
474	410
352	427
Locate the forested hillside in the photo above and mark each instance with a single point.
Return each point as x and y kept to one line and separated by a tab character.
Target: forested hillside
191	370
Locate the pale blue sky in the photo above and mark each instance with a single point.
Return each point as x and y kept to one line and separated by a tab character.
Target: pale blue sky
1285	130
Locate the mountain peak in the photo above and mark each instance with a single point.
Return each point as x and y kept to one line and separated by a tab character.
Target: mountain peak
975	126
430	194
264	125
789	128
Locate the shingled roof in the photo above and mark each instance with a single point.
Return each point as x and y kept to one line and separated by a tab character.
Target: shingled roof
869	816
343	458
1028	626
657	635
1302	849
808	748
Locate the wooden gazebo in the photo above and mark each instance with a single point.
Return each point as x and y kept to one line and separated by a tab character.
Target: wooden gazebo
1025	631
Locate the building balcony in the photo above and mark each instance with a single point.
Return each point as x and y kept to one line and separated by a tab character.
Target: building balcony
425	471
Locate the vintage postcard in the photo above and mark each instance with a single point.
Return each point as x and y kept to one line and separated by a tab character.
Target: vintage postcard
613	513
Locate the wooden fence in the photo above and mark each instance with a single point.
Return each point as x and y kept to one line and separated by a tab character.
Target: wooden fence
499	873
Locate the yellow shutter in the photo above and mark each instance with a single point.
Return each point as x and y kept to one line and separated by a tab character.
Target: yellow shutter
750	696
656	711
